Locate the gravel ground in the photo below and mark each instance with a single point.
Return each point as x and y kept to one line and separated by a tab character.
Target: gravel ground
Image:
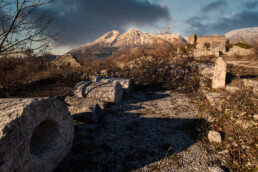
147	132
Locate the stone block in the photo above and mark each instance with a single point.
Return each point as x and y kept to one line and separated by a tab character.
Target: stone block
219	76
106	92
85	110
127	84
35	134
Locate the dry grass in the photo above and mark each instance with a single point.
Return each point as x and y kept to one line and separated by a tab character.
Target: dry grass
239	143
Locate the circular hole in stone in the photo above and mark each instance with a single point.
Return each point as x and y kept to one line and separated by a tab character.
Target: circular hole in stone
44	138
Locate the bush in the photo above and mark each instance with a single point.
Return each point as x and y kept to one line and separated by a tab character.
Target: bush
241	45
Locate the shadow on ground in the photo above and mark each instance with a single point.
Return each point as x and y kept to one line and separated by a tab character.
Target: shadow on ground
129	141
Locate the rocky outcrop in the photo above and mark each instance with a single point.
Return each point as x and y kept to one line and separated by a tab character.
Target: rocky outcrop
106	92
65	61
242	35
35	134
238	51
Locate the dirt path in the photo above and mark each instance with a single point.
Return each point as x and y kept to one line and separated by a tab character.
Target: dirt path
146	132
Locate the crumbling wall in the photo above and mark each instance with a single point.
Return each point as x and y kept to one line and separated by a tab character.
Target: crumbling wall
209	43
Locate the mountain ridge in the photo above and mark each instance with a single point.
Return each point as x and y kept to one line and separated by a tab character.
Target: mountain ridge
110	42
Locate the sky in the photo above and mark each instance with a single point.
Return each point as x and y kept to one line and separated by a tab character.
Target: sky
77	22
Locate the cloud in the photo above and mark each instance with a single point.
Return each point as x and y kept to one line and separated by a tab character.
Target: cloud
214	6
240	20
206	23
85	20
251	5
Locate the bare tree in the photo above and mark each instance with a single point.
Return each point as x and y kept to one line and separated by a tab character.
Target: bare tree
22	28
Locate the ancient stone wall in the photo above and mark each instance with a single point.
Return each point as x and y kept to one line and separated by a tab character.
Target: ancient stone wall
210	43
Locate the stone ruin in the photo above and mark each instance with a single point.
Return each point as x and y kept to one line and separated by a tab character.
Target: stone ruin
35	134
214	44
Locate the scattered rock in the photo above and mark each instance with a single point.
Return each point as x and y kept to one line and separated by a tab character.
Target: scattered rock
232	89
213	98
255	117
219	76
214	136
238	51
215	169
250	83
35	134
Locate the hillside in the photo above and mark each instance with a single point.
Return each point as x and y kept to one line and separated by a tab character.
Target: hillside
112	41
242	35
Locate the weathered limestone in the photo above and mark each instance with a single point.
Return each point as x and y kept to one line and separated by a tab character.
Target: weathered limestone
232	89
219	76
35	134
106	92
250	83
213	98
84	109
214	136
127	84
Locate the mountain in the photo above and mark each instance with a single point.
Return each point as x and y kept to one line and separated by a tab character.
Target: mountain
113	41
243	35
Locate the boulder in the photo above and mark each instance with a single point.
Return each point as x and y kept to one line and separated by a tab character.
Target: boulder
35	134
106	92
127	84
215	169
214	136
85	110
219	76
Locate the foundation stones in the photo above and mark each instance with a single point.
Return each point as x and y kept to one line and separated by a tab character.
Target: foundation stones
35	134
219	76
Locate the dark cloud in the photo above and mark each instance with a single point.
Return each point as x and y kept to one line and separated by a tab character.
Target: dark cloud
251	5
243	19
208	24
214	6
85	20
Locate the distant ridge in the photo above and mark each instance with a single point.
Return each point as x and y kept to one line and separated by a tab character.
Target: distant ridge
113	40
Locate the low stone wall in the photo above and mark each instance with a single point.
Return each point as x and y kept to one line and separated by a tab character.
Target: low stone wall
35	134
